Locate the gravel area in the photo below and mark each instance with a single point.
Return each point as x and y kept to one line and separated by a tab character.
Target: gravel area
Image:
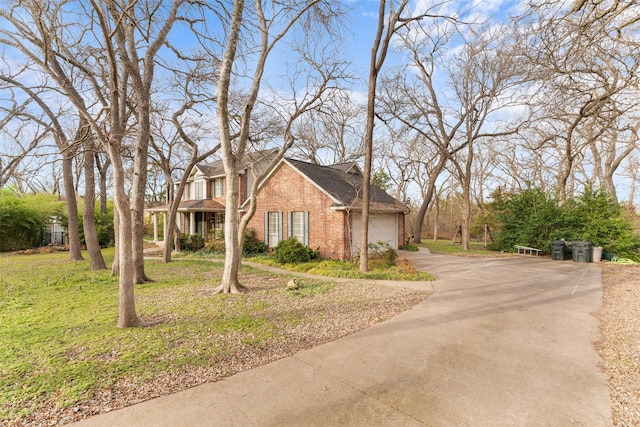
321	317
620	349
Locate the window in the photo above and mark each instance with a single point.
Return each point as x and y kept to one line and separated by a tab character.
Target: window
218	187
197	190
298	226
272	228
187	192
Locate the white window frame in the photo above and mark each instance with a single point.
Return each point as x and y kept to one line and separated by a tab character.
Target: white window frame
198	190
298	226
272	228
218	187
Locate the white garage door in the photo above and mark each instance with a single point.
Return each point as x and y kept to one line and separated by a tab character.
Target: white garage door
382	227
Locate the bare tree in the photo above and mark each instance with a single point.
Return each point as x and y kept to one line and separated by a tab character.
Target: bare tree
585	60
16	146
67	148
331	135
88	214
389	23
113	47
270	23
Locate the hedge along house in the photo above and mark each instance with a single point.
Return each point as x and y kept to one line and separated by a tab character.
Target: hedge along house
201	210
322	207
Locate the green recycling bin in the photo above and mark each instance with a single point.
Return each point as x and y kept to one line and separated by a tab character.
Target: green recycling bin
557	250
581	251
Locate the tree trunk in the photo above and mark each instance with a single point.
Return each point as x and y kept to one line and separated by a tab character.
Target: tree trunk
88	215
436	220
139	186
75	253
466	218
115	267
233	254
127	316
433	175
102	173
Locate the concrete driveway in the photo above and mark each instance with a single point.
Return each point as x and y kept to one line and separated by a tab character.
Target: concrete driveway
501	342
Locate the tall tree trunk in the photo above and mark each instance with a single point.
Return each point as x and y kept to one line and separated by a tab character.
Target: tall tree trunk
127	316
417	231
436	220
233	253
466	214
115	267
140	179
88	215
103	170
75	253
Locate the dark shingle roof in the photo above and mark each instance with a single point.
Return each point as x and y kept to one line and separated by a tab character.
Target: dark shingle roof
217	169
344	186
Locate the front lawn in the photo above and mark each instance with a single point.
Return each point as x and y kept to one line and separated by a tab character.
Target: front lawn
62	358
445	247
401	271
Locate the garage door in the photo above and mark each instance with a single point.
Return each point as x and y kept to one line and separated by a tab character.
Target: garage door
382	227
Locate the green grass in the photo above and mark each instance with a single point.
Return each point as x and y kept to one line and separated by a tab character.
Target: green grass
59	343
445	247
345	269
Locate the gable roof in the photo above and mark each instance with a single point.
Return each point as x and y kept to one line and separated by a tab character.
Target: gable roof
343	183
351	167
216	168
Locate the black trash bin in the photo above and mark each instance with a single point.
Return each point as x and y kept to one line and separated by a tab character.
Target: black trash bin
581	251
557	250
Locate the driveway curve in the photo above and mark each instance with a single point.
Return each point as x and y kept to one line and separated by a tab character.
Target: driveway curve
501	342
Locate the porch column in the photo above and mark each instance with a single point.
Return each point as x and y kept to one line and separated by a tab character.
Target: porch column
164	226
192	223
155	227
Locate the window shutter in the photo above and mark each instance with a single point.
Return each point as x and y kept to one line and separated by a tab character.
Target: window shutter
289	224
279	226
266	228
306	228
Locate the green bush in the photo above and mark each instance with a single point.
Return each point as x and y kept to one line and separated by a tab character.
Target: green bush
533	218
528	218
596	217
191	242
291	251
382	255
23	217
252	245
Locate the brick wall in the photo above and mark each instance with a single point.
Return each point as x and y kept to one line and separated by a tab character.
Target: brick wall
288	191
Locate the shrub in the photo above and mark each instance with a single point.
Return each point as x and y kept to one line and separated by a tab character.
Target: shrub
23	216
191	242
291	251
382	255
527	218
214	246
533	218
252	245
596	217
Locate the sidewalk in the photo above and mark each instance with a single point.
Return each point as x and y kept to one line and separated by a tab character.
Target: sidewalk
505	341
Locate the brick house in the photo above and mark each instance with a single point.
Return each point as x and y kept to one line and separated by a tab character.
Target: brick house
320	205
